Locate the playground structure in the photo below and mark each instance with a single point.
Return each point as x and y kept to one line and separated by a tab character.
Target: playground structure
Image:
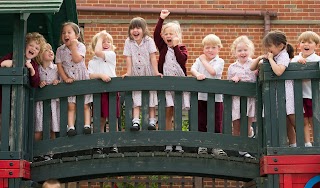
141	152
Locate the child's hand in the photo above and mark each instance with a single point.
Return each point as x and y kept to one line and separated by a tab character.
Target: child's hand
159	74
201	77
55	82
28	64
270	56
164	14
236	79
105	78
74	43
42	84
126	74
68	80
175	41
302	60
6	63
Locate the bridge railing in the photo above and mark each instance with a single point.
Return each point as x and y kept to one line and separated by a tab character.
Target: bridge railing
151	139
273	91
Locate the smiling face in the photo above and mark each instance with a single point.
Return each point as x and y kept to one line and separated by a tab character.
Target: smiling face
307	48
47	55
106	44
211	51
242	52
136	34
68	34
32	49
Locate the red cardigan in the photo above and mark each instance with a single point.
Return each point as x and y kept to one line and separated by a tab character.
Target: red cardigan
180	51
34	80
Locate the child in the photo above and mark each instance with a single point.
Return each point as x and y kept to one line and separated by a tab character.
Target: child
71	67
140	52
51	183
48	75
209	65
279	55
308	41
242	48
103	66
172	62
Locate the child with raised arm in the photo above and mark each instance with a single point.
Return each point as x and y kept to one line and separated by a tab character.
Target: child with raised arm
140	52
71	67
308	42
173	57
103	66
209	65
243	49
48	72
279	54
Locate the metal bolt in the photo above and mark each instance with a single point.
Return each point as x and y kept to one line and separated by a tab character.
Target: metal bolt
14	72
13	80
10	173
276	169
275	160
11	164
275	151
11	155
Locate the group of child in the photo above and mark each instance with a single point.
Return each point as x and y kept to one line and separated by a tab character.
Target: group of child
141	60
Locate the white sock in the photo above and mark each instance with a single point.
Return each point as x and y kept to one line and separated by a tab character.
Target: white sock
152	121
71	127
293	145
178	148
87	126
168	147
135	120
308	144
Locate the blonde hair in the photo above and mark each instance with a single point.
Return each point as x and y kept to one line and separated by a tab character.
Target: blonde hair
212	39
176	28
94	40
244	39
39	39
43	48
52	183
309	36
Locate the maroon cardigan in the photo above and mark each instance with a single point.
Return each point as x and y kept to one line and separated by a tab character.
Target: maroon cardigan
180	51
34	80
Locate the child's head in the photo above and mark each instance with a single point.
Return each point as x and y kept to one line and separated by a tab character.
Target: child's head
34	43
308	41
46	54
211	46
138	29
51	184
170	31
69	31
107	41
276	41
242	48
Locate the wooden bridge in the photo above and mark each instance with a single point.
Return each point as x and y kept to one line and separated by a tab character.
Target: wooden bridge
142	153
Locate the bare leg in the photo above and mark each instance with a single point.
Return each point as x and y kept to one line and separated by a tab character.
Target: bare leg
152	112
71	114
307	125
102	124
38	136
87	114
136	112
291	129
250	131
169	116
236	127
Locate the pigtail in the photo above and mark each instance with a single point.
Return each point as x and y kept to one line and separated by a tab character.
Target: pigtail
290	50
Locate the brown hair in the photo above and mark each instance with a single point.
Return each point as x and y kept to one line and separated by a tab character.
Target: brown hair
138	22
43	48
76	30
277	38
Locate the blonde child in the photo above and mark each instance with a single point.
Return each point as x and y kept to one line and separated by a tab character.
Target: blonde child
103	66
308	42
173	57
209	65
48	72
243	49
51	183
279	54
140	52
71	67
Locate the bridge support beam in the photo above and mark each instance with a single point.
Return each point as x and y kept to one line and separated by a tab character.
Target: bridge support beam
291	171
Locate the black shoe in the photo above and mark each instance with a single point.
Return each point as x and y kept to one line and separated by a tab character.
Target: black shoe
71	132
151	127
135	127
87	130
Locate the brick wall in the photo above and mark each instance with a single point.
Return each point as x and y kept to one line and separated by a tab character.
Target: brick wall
293	18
